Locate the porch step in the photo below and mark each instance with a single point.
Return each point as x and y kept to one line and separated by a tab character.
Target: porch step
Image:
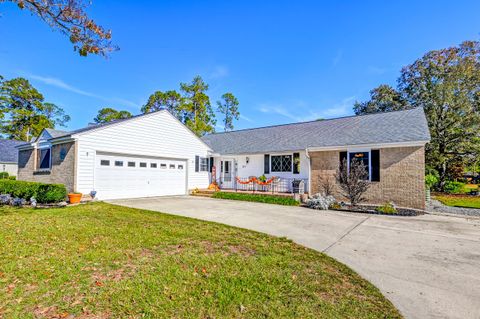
204	193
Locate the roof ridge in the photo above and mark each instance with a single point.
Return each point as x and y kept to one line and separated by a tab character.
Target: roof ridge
313	121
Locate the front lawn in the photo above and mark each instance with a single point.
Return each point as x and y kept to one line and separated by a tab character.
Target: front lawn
261	198
105	261
459	200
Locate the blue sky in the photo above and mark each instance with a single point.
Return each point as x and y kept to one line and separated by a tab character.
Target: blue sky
286	61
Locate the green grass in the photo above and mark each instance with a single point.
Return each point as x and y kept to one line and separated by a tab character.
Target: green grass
459	200
468	187
269	199
105	261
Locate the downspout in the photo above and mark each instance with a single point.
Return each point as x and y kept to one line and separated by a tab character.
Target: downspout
309	171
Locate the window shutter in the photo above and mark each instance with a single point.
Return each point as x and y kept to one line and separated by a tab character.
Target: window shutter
375	165
296	163
266	164
343	156
197	163
211	164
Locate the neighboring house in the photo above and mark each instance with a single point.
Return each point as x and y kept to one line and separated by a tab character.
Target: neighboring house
9	156
147	155
155	155
390	144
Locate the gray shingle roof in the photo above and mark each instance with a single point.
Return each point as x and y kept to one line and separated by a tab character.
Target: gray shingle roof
391	127
8	152
56	133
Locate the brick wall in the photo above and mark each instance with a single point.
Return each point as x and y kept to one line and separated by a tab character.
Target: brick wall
62	171
402	174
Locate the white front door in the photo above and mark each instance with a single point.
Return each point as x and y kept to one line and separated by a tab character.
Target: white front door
130	176
227	176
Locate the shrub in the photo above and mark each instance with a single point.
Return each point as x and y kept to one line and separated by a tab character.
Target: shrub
43	193
18	202
387	208
335	206
453	187
320	201
5	199
12	178
3	175
431	180
269	199
51	193
18	189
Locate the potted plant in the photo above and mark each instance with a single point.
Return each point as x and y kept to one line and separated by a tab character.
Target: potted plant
74	197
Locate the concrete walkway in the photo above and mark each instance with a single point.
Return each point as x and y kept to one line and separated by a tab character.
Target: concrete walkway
428	266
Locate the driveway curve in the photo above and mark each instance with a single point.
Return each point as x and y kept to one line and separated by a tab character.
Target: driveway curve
428	266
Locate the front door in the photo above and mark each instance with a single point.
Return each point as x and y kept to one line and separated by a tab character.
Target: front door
227	178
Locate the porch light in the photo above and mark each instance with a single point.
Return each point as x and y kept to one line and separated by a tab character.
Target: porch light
247	159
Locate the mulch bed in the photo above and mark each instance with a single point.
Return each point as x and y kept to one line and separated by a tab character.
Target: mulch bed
365	209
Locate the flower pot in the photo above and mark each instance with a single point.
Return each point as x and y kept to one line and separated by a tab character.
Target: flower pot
74	198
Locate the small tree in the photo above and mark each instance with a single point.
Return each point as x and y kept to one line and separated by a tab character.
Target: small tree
326	182
354	181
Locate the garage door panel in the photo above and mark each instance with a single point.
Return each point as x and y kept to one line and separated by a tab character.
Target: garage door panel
164	177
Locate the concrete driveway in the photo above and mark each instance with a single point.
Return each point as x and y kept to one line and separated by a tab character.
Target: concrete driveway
428	266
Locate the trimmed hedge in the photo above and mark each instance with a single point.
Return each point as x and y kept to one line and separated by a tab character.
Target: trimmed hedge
43	193
3	175
269	199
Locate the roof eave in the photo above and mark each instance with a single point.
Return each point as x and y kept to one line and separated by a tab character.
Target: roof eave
370	145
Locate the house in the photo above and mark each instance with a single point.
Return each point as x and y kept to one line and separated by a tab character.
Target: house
9	156
147	155
391	145
156	155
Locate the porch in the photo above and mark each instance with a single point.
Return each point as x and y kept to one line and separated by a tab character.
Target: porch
285	173
273	185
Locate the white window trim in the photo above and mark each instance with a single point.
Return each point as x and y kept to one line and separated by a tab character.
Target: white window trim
200	159
361	150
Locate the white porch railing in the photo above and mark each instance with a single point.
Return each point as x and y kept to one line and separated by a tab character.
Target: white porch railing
270	185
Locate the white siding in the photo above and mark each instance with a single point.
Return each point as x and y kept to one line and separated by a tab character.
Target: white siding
255	166
155	135
10	168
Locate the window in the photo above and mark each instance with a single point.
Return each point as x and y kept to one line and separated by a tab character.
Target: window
163	165
363	157
105	163
45	159
153	165
143	164
180	166
131	164
203	164
281	163
118	163
172	166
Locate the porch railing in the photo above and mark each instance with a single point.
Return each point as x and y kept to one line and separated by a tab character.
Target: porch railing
277	185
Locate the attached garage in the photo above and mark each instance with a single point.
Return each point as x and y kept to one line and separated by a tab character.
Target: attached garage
147	155
129	176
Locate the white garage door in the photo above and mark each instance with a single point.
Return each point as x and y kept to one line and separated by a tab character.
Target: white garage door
121	176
